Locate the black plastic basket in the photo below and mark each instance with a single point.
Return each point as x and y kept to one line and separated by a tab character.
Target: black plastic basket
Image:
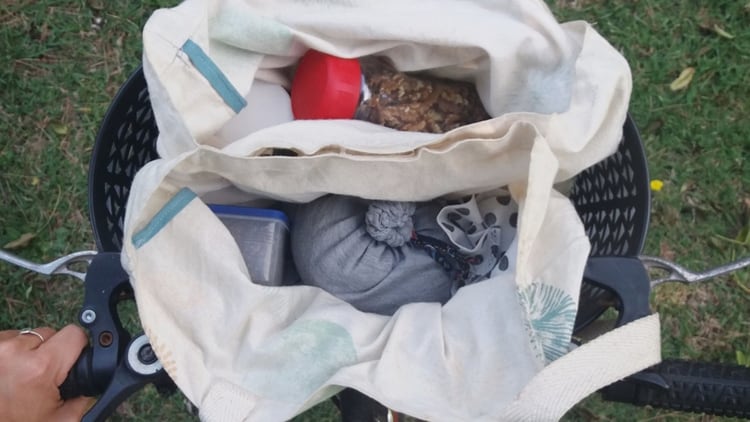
611	197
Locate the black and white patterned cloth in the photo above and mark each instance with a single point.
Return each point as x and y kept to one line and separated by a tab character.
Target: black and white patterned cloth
482	229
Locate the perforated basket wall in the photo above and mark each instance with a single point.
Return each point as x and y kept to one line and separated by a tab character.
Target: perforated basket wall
125	142
611	197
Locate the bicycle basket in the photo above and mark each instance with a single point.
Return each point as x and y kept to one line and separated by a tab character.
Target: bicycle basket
612	197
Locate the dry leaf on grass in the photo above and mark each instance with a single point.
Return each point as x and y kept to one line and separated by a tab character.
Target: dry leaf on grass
709	25
21	242
60	129
721	32
683	80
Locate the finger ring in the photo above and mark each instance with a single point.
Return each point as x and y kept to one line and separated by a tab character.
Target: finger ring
32	332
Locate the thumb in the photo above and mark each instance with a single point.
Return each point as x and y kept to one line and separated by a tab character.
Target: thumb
72	410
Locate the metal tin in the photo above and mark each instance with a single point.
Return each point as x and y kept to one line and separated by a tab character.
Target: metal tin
262	236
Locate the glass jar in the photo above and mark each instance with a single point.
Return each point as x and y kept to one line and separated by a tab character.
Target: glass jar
372	89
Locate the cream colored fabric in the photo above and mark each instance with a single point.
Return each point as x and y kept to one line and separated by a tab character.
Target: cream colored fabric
564	80
241	351
565	382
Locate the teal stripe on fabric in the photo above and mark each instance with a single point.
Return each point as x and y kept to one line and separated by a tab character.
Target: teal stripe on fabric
164	216
214	75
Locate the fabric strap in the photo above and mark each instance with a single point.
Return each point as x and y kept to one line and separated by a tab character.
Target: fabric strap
609	358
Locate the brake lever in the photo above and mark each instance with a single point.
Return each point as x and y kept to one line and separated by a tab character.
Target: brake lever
115	365
138	368
106	285
627	278
682	385
61	265
678	273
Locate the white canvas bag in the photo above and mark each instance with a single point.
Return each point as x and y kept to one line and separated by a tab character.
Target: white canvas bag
242	351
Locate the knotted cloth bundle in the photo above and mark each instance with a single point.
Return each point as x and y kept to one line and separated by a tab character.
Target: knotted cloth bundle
390	222
359	251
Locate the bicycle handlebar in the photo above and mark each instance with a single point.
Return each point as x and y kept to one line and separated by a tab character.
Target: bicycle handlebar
116	365
700	387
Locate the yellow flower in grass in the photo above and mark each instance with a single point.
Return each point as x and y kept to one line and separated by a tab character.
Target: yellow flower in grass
656	185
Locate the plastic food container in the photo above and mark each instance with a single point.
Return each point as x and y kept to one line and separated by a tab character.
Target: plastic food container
262	236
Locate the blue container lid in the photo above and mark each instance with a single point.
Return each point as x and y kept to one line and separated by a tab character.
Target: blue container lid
249	212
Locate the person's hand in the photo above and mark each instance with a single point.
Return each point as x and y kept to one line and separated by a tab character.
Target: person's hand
31	369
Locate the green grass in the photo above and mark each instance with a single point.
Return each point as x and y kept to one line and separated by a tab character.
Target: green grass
64	61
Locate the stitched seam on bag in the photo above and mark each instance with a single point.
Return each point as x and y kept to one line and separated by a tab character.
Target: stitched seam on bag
214	76
164	216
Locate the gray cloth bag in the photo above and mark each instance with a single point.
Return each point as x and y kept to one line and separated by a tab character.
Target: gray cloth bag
333	250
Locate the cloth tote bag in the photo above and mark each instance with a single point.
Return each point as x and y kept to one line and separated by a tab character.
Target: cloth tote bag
499	349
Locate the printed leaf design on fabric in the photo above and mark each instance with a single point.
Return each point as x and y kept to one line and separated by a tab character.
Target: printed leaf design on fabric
299	360
552	314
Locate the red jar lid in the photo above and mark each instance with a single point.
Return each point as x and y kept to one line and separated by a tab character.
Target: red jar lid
325	87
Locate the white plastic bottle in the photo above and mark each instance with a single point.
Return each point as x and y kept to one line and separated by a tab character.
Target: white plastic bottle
267	105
